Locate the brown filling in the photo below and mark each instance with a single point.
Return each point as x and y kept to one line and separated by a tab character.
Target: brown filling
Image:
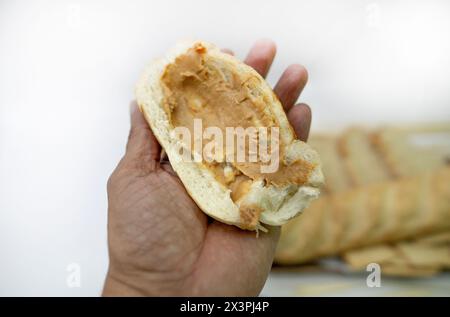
196	86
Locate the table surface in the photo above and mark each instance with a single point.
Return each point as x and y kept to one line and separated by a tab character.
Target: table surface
316	281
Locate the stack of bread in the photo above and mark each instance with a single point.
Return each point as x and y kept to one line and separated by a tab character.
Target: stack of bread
386	200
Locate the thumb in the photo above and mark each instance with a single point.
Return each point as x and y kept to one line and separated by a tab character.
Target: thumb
142	144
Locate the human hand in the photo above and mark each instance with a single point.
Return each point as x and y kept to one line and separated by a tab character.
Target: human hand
160	242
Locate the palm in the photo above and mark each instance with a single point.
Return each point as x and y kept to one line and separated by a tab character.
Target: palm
162	229
156	228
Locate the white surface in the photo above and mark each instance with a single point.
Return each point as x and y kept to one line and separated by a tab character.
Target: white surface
345	284
67	70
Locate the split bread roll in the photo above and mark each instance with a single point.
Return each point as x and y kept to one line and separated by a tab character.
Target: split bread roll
198	81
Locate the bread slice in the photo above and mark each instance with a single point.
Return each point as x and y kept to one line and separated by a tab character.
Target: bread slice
359	212
332	164
301	238
267	199
361	160
413	149
377	214
440	238
359	258
407	258
405	270
420	255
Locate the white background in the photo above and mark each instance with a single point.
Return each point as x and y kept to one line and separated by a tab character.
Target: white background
67	71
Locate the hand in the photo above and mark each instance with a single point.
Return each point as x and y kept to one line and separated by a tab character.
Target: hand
160	242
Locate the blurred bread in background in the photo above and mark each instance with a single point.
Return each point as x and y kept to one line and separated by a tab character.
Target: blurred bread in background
387	200
409	150
357	153
337	178
419	257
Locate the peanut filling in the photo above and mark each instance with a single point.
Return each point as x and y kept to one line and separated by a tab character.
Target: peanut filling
196	86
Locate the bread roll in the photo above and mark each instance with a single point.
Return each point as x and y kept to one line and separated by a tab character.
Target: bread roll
196	81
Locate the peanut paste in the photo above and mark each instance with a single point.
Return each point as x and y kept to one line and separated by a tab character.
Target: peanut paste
196	86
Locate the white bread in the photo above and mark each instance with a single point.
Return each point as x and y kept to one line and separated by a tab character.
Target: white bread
278	203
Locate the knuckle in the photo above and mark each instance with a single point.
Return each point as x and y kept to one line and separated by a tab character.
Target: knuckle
131	134
136	132
111	182
113	178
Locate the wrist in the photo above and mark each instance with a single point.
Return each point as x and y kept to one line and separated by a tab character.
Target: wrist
118	286
140	283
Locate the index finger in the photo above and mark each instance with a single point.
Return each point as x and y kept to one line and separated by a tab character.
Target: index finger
261	56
